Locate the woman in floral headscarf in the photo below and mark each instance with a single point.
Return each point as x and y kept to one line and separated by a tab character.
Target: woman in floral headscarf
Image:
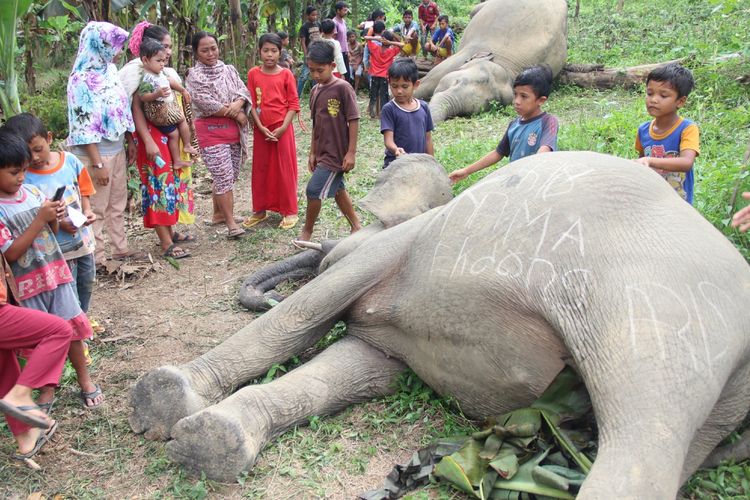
220	101
166	193
98	118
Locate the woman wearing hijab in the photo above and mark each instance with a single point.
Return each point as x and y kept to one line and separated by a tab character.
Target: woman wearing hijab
219	99
166	193
98	118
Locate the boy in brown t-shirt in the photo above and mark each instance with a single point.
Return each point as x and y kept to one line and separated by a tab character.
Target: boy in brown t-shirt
335	117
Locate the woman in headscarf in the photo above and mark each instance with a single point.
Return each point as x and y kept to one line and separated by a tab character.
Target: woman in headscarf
98	118
166	193
220	101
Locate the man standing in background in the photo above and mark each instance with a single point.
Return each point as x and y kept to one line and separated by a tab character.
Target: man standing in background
342	10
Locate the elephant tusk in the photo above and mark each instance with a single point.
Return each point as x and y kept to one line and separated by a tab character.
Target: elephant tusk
307	244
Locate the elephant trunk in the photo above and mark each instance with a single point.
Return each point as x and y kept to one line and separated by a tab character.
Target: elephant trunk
257	292
442	107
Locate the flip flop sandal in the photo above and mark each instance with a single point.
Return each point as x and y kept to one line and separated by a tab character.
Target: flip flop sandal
92	396
96	326
175	252
47	407
21	413
183	238
289	222
209	222
235	233
43	439
254	220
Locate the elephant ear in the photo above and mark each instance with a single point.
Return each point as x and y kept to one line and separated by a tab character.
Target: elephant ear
410	186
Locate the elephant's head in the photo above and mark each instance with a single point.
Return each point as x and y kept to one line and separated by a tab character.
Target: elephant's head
410	186
471	89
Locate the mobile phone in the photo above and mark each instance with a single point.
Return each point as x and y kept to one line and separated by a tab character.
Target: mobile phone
59	193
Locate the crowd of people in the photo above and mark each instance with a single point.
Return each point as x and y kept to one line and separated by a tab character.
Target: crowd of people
55	205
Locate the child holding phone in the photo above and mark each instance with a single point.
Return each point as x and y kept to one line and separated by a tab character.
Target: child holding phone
48	172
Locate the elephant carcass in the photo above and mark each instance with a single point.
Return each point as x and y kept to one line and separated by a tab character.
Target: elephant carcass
502	38
567	257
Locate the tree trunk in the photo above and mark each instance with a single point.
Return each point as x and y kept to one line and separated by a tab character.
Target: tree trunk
252	34
235	30
594	76
272	23
294	15
578	9
28	52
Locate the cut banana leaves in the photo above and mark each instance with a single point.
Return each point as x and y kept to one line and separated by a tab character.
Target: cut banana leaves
523	481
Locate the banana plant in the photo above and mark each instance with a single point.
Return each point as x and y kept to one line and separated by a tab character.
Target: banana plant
10	13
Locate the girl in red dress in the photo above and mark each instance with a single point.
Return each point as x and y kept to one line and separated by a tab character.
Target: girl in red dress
274	103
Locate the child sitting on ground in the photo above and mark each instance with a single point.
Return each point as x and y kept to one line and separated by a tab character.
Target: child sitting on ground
285	59
443	41
408	32
534	131
335	118
328	35
27	239
383	49
159	104
405	122
669	144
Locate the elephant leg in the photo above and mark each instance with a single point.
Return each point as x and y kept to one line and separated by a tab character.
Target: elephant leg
725	418
649	407
224	440
165	395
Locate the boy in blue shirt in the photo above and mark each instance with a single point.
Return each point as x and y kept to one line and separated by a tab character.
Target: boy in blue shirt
534	131
405	122
669	144
443	41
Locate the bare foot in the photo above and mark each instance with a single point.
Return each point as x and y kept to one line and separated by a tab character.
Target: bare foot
305	235
190	150
27	440
181	164
356	228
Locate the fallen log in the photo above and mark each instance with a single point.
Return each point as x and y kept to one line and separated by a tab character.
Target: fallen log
594	76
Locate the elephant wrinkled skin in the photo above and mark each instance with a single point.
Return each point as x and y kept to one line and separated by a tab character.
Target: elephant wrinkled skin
502	38
567	257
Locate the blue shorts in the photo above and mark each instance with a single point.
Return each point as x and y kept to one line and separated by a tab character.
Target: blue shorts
167	129
324	183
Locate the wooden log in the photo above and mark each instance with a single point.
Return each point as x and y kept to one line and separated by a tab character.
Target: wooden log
610	78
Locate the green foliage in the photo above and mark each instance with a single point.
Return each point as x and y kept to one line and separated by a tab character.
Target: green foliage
51	105
11	11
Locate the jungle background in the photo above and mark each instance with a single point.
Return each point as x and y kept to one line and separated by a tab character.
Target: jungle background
163	314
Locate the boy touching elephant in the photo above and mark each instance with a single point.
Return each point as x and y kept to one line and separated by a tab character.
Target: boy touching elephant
534	131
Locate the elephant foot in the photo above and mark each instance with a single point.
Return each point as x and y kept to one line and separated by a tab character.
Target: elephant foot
214	442
159	399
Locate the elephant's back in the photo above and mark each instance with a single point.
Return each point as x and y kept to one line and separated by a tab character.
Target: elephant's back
519	33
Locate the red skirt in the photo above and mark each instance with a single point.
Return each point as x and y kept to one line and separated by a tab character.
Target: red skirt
274	172
159	187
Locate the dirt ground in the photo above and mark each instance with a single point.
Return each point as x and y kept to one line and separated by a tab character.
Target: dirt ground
170	316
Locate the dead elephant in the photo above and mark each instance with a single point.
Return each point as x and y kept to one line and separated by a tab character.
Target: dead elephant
569	257
502	38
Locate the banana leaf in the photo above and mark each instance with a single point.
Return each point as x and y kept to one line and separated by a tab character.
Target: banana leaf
465	465
506	462
582	460
523	481
565	398
10	12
